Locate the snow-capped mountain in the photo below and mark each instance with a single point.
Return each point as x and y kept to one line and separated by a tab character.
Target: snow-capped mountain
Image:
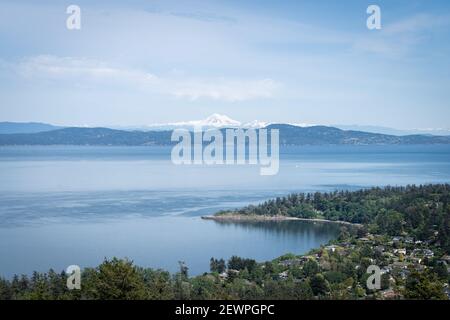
213	121
302	125
256	124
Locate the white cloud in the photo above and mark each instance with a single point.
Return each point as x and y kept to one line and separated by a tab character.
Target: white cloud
417	23
397	38
228	90
97	73
70	68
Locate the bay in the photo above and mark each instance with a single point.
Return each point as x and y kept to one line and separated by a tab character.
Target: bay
63	205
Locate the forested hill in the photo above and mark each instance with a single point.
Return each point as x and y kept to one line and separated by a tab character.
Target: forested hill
88	136
419	211
289	135
28	127
322	135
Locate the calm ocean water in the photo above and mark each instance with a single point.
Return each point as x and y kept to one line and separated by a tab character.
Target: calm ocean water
77	205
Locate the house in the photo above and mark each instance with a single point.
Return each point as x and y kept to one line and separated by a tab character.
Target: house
311	257
386	269
346	244
389	294
409	240
400	265
232	271
428	253
417	253
283	275
404	273
400	251
380	249
446	261
332	248
292	262
370	236
447	290
415	260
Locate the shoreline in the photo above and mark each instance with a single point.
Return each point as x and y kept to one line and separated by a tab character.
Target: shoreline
238	218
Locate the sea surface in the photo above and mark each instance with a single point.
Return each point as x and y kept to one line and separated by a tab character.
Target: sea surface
64	205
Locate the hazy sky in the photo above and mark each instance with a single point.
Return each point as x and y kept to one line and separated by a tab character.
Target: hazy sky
142	62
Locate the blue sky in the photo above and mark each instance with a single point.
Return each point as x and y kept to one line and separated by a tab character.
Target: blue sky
143	62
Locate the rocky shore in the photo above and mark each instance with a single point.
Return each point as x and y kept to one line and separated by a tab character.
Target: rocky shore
236	217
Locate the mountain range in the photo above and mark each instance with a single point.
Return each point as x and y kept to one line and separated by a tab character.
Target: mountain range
220	121
289	135
213	121
26	127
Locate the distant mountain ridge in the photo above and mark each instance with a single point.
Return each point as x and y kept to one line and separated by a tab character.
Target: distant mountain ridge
222	121
395	132
219	121
25	127
88	136
289	135
323	135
